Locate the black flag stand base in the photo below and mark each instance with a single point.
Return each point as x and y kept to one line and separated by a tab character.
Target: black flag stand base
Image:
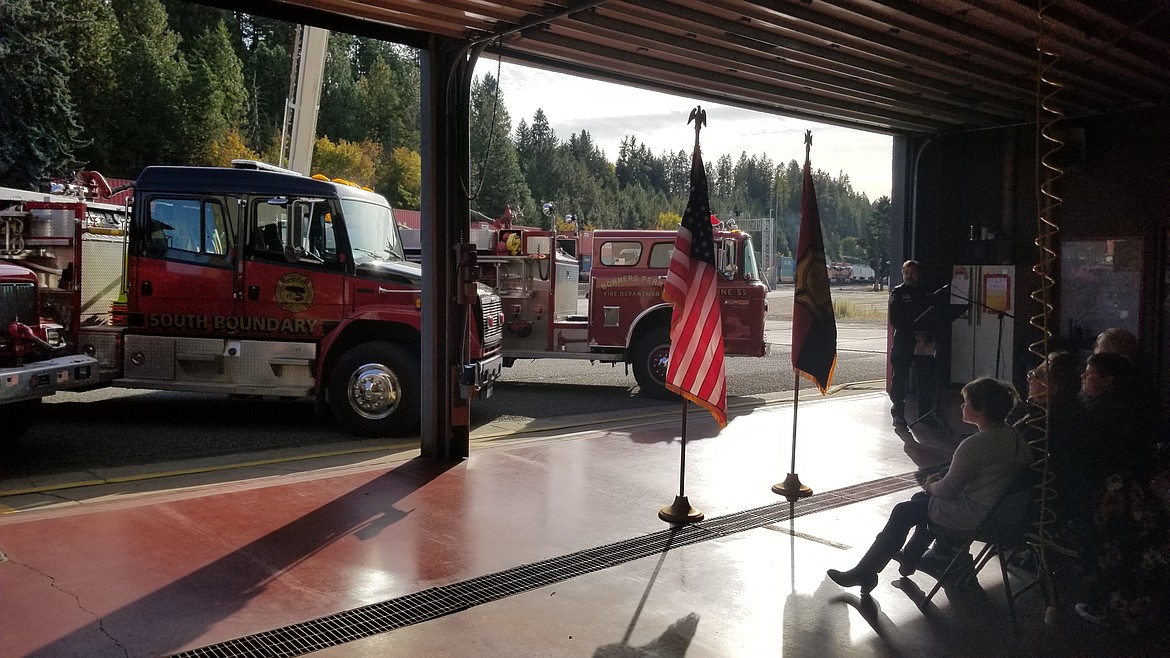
680	512
791	488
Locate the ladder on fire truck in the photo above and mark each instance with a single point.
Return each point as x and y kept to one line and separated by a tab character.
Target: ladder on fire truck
299	131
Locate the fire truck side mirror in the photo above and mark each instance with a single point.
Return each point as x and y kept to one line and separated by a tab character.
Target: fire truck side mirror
727	265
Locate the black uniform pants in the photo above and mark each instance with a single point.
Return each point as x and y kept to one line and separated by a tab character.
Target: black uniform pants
919	372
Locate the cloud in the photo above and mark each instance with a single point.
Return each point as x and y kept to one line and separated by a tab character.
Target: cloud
610	112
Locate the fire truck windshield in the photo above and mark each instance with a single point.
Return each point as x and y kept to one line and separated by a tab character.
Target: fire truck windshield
751	270
372	232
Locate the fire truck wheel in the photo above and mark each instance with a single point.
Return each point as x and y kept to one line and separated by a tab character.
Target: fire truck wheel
18	417
374	390
650	354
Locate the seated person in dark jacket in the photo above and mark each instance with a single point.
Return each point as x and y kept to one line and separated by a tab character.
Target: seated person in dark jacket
1124	548
1053	402
1123	422
1123	342
1118	341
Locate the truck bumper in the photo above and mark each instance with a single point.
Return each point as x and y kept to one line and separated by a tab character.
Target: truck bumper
42	378
479	377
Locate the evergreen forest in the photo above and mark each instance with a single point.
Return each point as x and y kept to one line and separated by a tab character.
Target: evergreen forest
116	85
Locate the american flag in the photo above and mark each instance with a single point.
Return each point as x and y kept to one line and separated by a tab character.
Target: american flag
695	369
814	329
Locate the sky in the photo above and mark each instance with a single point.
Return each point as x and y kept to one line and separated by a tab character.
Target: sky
610	112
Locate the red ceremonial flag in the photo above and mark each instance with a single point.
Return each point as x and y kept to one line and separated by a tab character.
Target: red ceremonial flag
695	367
814	330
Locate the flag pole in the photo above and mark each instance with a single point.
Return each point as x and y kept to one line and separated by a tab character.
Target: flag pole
809	275
698	210
791	488
680	511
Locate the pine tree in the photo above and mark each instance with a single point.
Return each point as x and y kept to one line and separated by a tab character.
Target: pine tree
264	46
876	242
341	112
149	71
378	97
214	97
90	34
545	168
38	127
496	178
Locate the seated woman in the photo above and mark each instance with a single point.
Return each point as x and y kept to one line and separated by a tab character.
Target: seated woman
1118	341
1124	424
981	471
1052	390
1126	548
1142	387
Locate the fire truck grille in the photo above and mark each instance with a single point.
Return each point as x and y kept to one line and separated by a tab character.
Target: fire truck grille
491	326
18	303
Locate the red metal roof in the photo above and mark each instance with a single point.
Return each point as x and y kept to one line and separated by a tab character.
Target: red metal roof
408	218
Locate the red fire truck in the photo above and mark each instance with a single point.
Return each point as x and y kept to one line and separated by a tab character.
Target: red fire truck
622	318
39	326
245	281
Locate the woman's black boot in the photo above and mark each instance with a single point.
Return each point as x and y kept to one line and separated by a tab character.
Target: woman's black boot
865	574
911	554
854	578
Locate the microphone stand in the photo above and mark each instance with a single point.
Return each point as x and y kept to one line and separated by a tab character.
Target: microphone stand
999	334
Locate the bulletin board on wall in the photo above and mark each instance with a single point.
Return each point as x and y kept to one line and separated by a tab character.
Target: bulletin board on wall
997	293
1100	287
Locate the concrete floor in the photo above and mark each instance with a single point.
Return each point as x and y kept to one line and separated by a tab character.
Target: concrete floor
537	545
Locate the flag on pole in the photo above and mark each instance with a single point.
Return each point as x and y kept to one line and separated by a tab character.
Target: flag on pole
814	330
695	367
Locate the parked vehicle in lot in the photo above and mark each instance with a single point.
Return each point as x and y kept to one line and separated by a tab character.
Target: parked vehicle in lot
861	273
247	281
785	269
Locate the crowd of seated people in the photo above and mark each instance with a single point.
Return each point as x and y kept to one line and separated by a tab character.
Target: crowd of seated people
1099	434
1125	549
1101	428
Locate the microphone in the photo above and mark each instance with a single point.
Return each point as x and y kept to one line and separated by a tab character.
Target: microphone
931	296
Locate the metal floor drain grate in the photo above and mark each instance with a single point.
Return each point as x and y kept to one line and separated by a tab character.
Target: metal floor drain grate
350	625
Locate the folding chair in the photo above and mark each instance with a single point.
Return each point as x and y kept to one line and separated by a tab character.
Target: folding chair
1000	532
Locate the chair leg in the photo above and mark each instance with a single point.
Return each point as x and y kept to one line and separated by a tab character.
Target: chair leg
1047	585
981	560
1007	585
948	574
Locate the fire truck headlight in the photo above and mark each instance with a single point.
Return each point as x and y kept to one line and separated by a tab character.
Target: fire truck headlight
53	336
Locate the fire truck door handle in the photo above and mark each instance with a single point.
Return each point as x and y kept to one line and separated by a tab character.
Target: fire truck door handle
662	278
253	292
146	288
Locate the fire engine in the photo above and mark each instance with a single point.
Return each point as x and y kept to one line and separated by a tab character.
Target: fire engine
623	318
249	280
38	327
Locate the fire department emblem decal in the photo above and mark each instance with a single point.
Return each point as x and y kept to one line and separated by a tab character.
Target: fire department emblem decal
294	292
